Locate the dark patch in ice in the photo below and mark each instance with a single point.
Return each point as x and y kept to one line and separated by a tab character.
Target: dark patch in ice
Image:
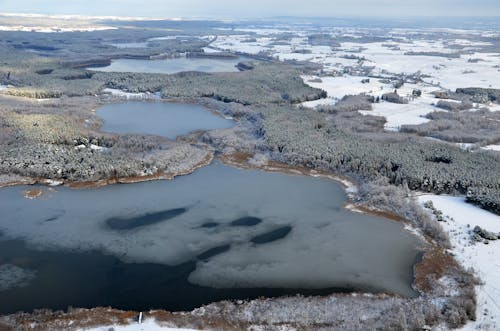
213	251
246	221
322	225
119	223
55	217
209	225
272	235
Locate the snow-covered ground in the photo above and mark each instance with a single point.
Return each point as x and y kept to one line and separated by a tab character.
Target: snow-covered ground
396	57
209	50
483	258
492	148
131	96
396	114
146	325
337	87
92	147
475	68
411	113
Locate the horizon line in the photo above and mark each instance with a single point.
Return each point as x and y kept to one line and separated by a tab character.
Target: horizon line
213	18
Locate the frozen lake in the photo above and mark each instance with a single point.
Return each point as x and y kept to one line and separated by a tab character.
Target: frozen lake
219	233
159	118
174	65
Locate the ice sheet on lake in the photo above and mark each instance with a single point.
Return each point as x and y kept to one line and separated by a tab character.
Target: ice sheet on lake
345	249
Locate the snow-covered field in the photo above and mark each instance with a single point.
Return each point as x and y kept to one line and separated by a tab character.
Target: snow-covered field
146	325
337	87
447	62
395	114
483	258
472	69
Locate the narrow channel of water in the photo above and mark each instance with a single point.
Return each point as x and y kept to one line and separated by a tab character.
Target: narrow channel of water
220	233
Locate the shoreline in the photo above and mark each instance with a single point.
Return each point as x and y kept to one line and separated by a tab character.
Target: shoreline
432	259
110	181
241	160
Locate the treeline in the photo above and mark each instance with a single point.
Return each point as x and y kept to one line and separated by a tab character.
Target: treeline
349	103
481	95
479	127
471	94
485	197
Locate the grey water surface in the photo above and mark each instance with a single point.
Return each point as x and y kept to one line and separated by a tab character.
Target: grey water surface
166	119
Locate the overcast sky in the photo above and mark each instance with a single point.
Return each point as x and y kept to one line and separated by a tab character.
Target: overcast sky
255	8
